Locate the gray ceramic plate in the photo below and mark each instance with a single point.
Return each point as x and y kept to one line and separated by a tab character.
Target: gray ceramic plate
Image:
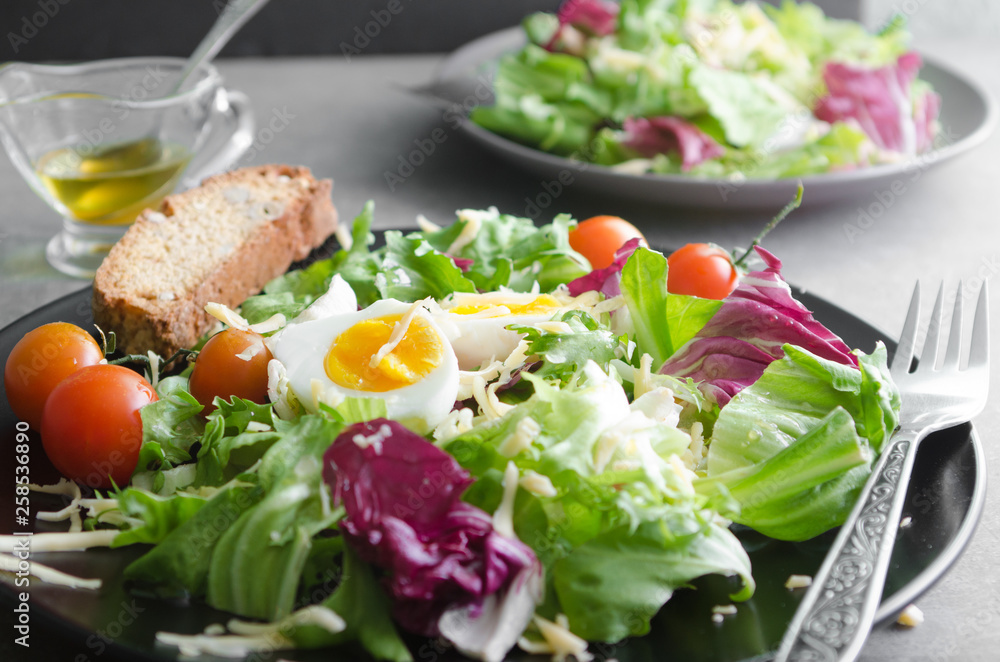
944	500
968	116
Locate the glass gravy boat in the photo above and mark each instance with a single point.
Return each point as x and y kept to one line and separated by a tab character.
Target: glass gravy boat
103	140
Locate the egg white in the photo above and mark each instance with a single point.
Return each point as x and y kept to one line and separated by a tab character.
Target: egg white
481	337
302	348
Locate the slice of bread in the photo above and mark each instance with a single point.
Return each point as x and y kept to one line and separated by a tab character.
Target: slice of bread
221	242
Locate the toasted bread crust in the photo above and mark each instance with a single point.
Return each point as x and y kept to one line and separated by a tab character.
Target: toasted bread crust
126	299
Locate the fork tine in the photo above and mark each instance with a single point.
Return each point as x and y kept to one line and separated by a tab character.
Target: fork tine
953	354
928	357
904	350
979	353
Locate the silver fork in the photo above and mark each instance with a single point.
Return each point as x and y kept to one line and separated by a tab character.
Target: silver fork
836	614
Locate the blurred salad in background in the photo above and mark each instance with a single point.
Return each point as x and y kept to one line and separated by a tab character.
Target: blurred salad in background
712	88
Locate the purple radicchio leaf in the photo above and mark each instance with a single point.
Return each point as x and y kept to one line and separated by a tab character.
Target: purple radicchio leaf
608	280
444	563
463	263
747	333
663	135
879	101
597	17
583	17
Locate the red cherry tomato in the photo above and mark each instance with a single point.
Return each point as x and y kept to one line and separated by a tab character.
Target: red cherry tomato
91	427
232	362
701	270
40	360
599	237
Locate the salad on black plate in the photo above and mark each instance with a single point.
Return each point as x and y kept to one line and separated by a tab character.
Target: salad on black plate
490	432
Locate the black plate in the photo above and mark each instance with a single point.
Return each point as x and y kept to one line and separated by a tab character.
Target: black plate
944	501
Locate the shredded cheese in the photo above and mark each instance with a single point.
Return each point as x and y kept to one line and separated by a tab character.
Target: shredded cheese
473	223
556	327
252	350
489	404
272	323
398	332
503	518
697	446
318	615
63	487
61	542
455	423
229	646
154	368
374	440
226	315
525	432
538	484
466	378
250	637
501	408
557	640
609	305
798	581
278	390
46	574
426	225
70	512
644	377
911	617
686	475
258	426
344	236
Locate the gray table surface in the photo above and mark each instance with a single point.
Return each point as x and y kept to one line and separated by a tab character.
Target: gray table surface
351	121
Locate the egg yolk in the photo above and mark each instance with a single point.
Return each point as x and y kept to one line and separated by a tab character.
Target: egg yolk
539	305
348	362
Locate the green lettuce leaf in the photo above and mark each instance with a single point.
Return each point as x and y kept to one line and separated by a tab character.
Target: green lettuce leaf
826	39
563	354
510	251
170	426
803	402
412	270
663	321
228	447
602	514
178	566
271	541
611	586
744	109
364	606
160	515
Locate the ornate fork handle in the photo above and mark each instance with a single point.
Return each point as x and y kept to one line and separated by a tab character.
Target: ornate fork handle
837	613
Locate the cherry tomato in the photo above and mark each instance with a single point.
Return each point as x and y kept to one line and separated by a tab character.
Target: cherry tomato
91	427
701	270
599	237
232	362
40	360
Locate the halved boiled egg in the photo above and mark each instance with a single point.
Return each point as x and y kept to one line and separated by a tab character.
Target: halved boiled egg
476	323
391	350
